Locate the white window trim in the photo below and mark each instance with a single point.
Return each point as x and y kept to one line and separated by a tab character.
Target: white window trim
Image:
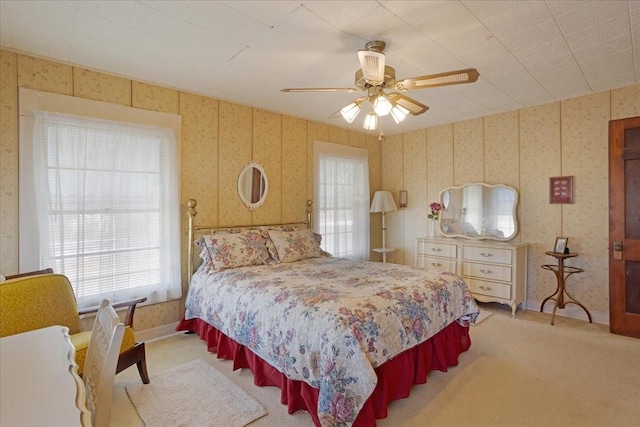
338	150
31	100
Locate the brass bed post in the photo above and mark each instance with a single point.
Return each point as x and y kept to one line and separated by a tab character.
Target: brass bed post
309	212
191	213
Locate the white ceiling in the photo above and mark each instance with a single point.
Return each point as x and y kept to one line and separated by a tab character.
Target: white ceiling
527	52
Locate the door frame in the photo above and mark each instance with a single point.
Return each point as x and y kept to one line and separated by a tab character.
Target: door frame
620	322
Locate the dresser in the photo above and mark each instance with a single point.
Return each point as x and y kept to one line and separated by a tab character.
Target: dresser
494	271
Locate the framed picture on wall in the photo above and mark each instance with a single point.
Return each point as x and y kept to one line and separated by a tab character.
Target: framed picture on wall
561	189
561	245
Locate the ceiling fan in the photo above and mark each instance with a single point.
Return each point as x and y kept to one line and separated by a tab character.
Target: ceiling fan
374	77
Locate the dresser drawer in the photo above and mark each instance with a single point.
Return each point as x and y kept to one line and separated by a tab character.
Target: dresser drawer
486	254
439	249
442	264
486	271
490	289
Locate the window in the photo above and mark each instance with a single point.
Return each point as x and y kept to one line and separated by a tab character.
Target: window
106	204
341	193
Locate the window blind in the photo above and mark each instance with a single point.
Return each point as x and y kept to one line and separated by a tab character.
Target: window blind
106	196
342	200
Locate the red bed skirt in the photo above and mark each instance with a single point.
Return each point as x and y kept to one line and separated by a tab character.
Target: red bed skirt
439	352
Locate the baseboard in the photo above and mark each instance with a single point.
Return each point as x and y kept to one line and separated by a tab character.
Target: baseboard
157	333
571	311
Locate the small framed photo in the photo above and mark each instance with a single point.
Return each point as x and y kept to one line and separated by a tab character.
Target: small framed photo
561	245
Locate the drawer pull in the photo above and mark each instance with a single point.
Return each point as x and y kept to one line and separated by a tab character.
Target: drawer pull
436	249
489	255
483	271
436	264
485	288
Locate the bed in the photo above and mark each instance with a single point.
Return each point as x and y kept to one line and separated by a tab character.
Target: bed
341	338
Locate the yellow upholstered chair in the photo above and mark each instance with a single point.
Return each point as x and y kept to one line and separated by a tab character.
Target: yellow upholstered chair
32	301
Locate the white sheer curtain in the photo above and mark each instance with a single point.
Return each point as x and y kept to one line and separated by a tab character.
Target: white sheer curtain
106	200
341	193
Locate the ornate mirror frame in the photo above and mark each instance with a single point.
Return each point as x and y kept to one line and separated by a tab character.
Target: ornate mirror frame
253	185
479	211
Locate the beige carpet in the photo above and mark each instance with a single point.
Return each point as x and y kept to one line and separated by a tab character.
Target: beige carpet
194	394
518	372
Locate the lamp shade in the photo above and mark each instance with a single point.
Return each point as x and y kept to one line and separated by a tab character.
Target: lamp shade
350	112
383	202
371	121
398	112
382	106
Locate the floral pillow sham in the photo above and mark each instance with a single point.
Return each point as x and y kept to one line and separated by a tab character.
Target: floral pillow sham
264	233
296	245
223	251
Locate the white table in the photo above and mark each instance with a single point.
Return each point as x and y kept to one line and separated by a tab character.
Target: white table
39	382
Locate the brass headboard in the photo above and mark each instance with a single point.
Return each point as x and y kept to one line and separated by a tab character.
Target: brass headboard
191	214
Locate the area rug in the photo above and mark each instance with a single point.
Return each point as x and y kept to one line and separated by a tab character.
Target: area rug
194	394
484	315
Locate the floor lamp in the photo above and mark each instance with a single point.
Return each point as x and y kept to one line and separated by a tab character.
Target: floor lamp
383	202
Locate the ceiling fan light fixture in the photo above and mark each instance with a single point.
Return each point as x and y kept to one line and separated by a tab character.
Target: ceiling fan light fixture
350	112
371	121
374	77
399	113
382	106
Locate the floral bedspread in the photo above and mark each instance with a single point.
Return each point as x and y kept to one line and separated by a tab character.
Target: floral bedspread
329	321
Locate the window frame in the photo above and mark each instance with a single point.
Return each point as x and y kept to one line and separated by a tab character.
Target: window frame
31	100
361	249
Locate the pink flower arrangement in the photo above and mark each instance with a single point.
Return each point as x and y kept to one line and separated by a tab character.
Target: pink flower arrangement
435	211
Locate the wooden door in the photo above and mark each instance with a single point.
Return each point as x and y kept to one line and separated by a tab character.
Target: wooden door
624	226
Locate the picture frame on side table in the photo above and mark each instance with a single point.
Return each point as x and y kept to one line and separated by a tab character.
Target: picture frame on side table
561	245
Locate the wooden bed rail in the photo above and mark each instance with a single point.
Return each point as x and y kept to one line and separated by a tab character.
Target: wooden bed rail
191	214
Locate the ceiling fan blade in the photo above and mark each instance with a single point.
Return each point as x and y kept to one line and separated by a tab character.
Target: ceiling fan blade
415	108
468	75
320	89
336	114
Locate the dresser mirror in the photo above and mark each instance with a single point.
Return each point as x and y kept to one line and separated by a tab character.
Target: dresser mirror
253	185
479	211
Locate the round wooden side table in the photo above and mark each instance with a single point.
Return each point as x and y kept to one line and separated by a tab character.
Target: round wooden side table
562	273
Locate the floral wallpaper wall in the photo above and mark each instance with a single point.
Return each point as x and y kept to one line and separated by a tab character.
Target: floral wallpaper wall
218	139
522	148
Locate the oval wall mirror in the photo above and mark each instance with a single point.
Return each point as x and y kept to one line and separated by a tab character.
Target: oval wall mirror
479	211
253	185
